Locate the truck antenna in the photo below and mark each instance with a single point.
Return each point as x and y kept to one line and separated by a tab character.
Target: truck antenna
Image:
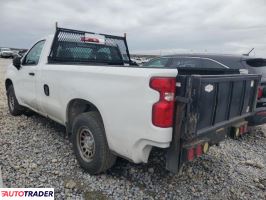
56	25
247	54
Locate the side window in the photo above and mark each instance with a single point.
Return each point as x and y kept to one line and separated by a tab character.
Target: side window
186	63
159	62
33	56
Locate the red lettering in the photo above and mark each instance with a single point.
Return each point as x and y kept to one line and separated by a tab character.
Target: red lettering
4	193
21	193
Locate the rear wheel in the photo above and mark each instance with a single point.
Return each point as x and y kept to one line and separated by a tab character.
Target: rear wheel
13	105
90	144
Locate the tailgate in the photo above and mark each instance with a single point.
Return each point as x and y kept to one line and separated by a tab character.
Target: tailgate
215	101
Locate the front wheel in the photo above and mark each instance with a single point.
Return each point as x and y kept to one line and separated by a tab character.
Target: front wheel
13	105
90	144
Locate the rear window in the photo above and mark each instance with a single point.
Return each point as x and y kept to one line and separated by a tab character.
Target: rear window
88	52
210	64
191	63
257	62
186	63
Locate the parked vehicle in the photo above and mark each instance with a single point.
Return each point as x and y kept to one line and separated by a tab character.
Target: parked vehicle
22	52
15	53
6	53
140	60
137	60
111	107
238	63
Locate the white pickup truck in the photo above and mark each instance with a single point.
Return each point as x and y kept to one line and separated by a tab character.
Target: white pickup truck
112	107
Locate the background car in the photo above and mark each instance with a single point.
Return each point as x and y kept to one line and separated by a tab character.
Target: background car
6	53
219	63
22	52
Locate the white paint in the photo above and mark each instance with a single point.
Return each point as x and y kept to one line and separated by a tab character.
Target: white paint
208	88
252	83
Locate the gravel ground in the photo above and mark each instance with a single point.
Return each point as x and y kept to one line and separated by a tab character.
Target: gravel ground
34	152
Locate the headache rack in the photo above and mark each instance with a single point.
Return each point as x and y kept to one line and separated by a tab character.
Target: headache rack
72	46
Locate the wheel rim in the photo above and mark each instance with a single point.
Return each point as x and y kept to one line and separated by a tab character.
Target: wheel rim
86	144
11	101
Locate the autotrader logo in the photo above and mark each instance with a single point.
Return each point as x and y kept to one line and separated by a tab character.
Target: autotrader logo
27	193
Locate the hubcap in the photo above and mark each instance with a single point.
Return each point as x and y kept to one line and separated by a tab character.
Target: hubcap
86	144
11	102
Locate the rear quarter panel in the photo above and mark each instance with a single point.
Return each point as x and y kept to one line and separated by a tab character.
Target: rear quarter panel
121	94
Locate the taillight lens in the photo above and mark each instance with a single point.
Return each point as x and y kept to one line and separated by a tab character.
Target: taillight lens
190	154
199	150
88	39
163	110
260	92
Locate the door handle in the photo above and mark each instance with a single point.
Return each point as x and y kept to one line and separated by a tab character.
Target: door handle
31	74
46	89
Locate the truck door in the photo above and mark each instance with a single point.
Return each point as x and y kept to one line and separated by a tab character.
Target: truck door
26	80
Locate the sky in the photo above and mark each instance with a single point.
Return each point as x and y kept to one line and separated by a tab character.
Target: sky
152	26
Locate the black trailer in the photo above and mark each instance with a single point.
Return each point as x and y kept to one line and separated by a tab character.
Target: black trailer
207	106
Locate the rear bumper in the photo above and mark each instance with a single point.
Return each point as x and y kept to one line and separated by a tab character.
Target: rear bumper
177	152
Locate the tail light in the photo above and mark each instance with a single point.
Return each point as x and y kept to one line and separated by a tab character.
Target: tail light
260	93
190	154
261	113
245	128
88	39
241	130
199	150
163	110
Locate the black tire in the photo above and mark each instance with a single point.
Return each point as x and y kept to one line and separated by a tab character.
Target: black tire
27	112
14	108
90	144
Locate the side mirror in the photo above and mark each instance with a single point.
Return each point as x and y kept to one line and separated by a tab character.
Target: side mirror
17	62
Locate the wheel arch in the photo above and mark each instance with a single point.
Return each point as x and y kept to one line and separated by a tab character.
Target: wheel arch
76	107
8	82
